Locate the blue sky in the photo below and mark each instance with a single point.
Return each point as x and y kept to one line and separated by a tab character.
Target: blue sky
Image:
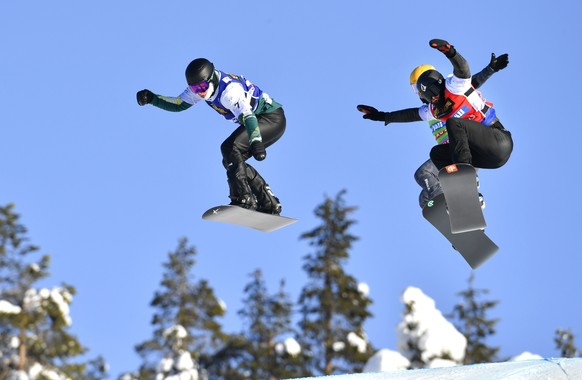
107	188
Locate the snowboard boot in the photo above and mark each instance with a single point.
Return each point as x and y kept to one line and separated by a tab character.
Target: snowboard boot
240	191
267	202
482	201
244	199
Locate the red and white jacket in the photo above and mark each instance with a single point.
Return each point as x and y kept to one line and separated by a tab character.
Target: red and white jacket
461	101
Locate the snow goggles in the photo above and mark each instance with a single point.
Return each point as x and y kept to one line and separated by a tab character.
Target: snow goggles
200	87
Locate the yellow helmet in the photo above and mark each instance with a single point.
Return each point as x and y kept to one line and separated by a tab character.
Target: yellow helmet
418	71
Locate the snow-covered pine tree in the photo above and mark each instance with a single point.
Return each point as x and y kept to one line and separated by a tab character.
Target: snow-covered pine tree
186	328
267	319
333	306
471	317
34	323
425	337
564	340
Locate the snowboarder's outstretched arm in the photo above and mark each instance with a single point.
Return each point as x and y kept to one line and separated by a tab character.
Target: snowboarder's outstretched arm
496	64
402	116
460	66
166	103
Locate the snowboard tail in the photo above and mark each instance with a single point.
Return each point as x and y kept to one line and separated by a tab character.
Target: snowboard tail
247	218
475	246
459	184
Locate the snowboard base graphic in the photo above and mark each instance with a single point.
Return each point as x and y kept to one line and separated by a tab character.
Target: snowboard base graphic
475	247
459	184
247	218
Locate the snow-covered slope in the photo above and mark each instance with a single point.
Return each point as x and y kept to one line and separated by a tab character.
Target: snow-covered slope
552	369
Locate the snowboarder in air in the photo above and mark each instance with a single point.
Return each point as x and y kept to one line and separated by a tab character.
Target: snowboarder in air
475	134
260	122
427	174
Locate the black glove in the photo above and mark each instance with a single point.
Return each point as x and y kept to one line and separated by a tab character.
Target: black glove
144	97
258	150
371	113
444	47
499	63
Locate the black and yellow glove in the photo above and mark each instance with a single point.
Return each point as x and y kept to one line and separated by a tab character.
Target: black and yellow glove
144	97
258	150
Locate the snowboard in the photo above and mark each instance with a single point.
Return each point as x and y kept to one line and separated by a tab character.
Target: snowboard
247	218
459	184
474	246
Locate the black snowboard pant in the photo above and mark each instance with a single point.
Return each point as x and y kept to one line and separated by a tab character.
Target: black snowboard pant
236	148
471	142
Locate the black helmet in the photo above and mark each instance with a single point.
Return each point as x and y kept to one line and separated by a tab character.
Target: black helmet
430	83
199	70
